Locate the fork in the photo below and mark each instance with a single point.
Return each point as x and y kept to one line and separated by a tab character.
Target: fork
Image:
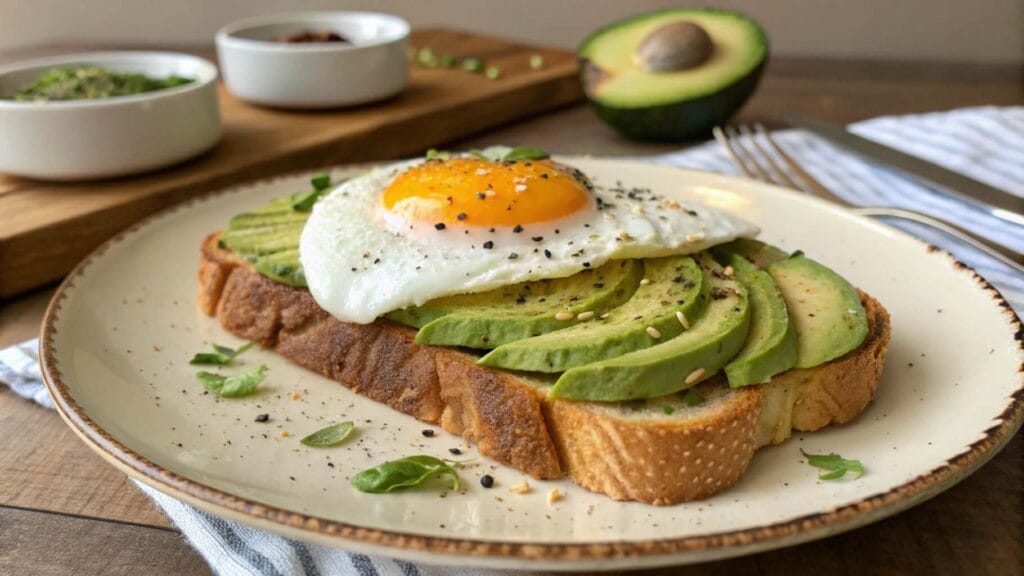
757	159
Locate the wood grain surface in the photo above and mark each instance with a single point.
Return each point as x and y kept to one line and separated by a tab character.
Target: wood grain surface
46	228
62	510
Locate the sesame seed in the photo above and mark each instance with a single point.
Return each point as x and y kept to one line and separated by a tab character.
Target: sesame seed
563	315
584	316
439	226
294	395
490	193
605	315
729	271
521	488
645	282
482	171
489	244
609	217
284	433
682	319
695	375
520	188
653	332
695	237
554	496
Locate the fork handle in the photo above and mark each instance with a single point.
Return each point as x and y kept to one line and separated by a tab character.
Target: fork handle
1004	254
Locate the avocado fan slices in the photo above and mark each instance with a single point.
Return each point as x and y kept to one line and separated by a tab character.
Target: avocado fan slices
672	286
675	364
490	319
771	345
268	238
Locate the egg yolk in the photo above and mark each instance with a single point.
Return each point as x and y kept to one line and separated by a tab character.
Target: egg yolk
462	192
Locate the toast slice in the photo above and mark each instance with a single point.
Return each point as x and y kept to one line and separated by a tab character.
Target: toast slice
660	452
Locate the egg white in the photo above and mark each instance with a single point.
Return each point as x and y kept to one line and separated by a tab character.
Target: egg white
359	266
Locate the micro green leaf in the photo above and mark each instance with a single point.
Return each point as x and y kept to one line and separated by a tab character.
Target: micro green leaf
233	386
320	181
836	465
525	153
474	65
404	473
330	436
433	154
221	356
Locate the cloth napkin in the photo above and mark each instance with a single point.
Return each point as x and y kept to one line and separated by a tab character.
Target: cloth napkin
985	143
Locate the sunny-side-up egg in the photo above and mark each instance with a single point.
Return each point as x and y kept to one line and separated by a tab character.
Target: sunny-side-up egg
423	229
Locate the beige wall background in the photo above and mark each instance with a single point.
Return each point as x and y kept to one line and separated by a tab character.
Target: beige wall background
936	30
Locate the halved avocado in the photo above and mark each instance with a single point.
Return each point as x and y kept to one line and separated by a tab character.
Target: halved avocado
672	74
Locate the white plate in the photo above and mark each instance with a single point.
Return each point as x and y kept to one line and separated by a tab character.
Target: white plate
120	332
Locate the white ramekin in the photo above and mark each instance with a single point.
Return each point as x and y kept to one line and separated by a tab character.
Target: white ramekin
263	71
86	139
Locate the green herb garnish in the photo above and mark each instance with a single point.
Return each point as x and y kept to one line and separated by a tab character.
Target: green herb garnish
304	201
668	409
426	57
836	465
330	436
536	62
492	73
525	153
90	83
448	61
692	398
433	154
233	386
404	473
221	355
474	65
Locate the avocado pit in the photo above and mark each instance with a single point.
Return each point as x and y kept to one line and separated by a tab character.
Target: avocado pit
674	46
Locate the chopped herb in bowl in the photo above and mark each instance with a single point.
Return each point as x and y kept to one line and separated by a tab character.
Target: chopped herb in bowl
92	83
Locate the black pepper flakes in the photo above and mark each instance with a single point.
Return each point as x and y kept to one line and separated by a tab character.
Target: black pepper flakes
517	228
461	216
428	433
263	417
455	451
513	256
547	253
489	244
537	238
487	481
439	226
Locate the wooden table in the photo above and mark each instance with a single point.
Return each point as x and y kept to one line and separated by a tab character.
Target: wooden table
62	510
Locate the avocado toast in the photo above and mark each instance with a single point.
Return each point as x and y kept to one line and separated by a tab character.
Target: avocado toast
659	389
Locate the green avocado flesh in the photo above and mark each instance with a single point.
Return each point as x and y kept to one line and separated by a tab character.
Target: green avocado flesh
672	104
268	238
491	319
771	346
823	307
677	363
759	253
673	284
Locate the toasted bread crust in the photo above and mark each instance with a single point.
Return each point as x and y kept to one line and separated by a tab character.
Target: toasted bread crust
381	361
658	461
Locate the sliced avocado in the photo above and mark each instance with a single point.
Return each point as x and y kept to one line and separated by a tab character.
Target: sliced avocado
490	319
823	307
671	286
672	74
771	345
676	364
759	253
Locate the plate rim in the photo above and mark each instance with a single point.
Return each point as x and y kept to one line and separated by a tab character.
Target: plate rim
437	549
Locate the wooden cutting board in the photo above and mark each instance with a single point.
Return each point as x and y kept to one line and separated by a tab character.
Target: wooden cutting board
47	228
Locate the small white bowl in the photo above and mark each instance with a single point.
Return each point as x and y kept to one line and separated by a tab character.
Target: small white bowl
262	70
87	139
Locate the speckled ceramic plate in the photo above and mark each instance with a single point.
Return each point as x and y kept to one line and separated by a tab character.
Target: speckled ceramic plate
120	331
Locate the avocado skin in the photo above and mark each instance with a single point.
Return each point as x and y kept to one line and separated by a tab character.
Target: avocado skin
771	346
760	254
593	341
685	120
710	343
825	330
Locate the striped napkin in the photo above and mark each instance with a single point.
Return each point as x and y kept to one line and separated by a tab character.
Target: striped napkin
985	143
